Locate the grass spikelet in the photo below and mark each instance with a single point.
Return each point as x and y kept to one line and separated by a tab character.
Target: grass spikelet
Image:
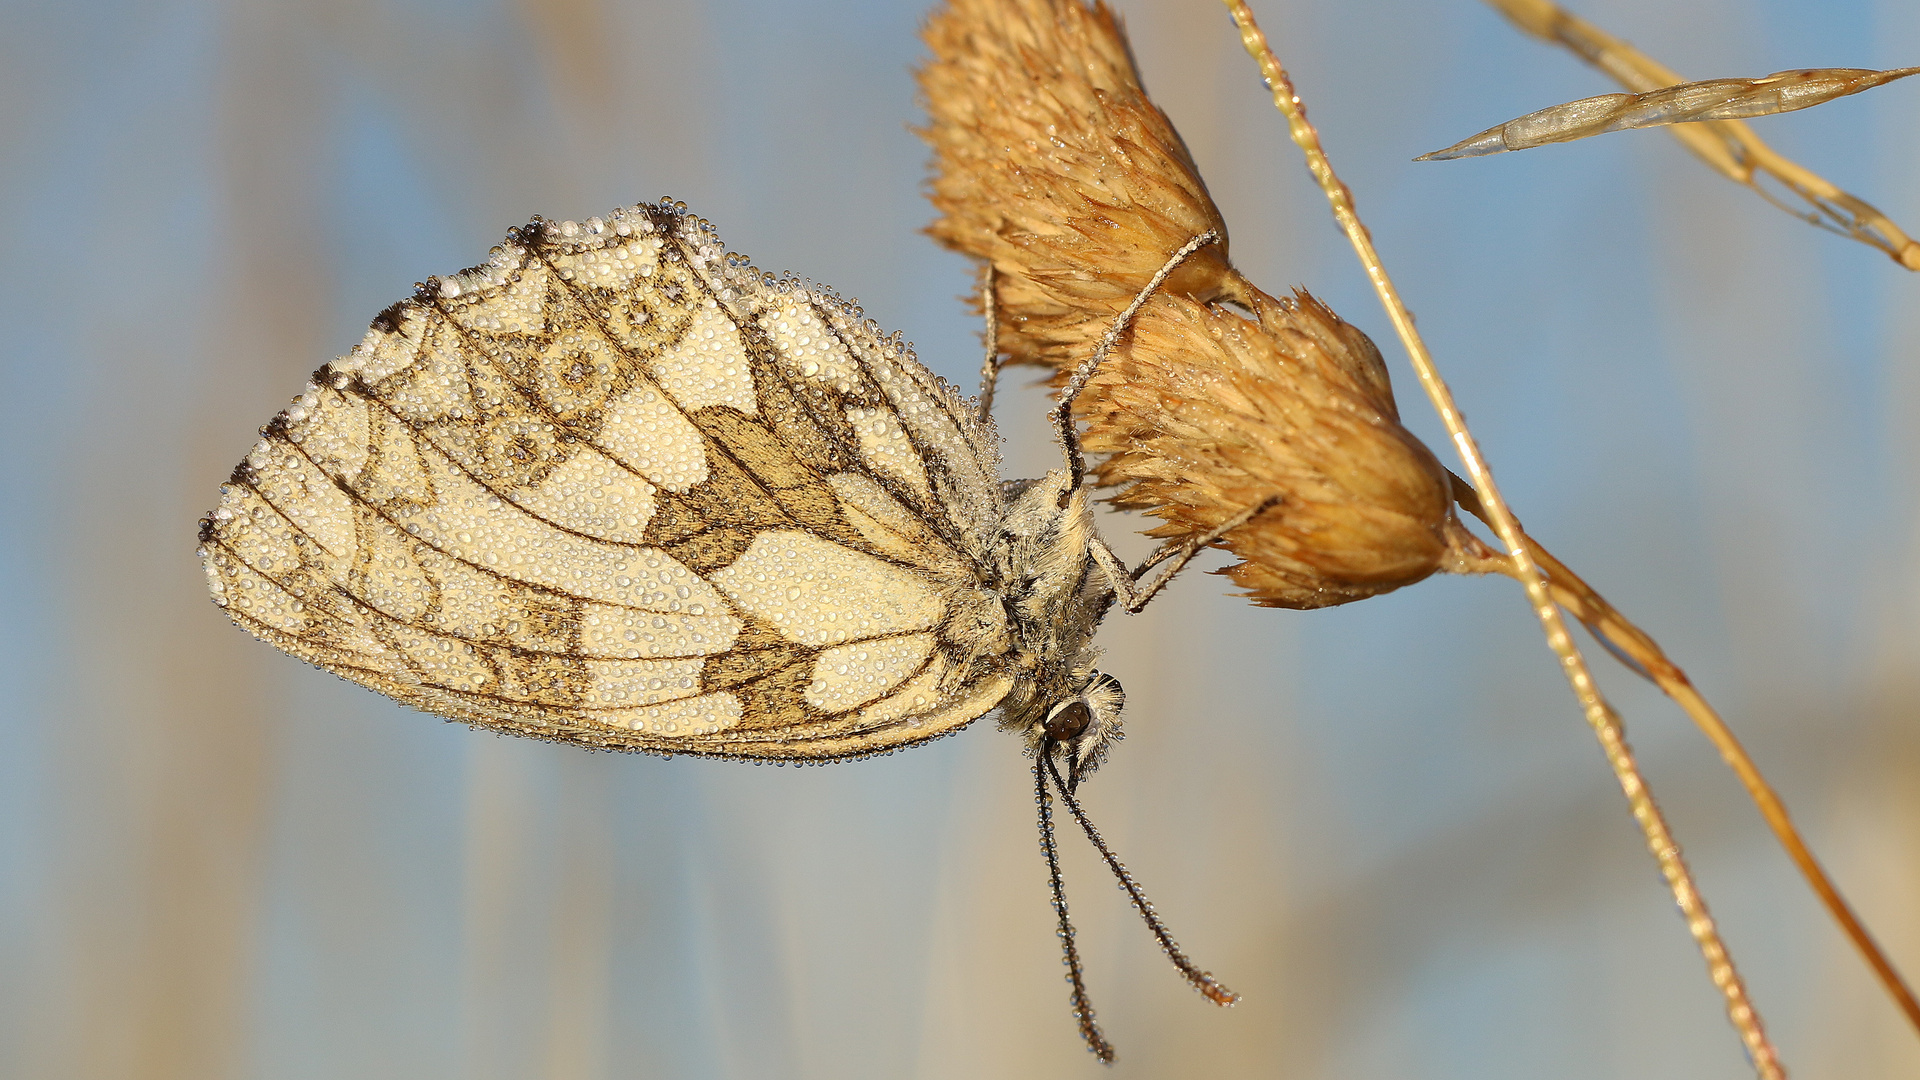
1052	164
1210	412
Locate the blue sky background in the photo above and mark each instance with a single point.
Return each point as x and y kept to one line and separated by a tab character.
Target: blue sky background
1386	824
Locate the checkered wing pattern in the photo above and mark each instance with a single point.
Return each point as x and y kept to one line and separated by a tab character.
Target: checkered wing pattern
617	487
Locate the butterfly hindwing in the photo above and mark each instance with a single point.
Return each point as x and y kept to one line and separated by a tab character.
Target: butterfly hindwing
616	487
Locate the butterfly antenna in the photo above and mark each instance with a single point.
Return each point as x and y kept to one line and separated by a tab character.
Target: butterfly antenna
1082	1005
1202	981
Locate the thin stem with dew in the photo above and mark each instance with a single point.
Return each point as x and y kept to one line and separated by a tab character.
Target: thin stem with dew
1600	716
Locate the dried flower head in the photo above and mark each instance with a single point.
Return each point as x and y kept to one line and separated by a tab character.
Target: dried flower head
1051	163
1209	412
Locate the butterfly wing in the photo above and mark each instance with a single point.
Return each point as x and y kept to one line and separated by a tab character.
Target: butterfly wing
617	487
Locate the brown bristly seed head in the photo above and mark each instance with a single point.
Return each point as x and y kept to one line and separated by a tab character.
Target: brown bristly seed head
1051	163
1203	413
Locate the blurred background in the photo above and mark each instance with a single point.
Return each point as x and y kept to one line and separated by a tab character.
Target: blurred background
1386	825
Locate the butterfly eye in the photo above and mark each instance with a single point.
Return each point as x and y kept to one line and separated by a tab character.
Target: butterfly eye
1067	721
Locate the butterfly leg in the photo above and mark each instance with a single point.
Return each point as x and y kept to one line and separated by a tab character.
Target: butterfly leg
990	367
1133	598
1062	414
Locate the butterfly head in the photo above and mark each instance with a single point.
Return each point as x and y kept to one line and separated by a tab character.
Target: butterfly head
1078	731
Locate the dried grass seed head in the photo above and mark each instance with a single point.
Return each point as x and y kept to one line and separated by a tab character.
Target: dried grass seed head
1205	412
1051	162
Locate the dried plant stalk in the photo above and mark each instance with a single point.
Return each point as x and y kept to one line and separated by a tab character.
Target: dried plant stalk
1729	147
1687	103
1600	715
1634	645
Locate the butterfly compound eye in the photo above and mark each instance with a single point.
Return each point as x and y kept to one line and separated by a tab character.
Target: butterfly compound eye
1068	721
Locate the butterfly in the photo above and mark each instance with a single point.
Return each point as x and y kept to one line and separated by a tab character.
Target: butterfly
617	487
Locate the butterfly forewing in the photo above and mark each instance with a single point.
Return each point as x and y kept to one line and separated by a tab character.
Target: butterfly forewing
616	487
